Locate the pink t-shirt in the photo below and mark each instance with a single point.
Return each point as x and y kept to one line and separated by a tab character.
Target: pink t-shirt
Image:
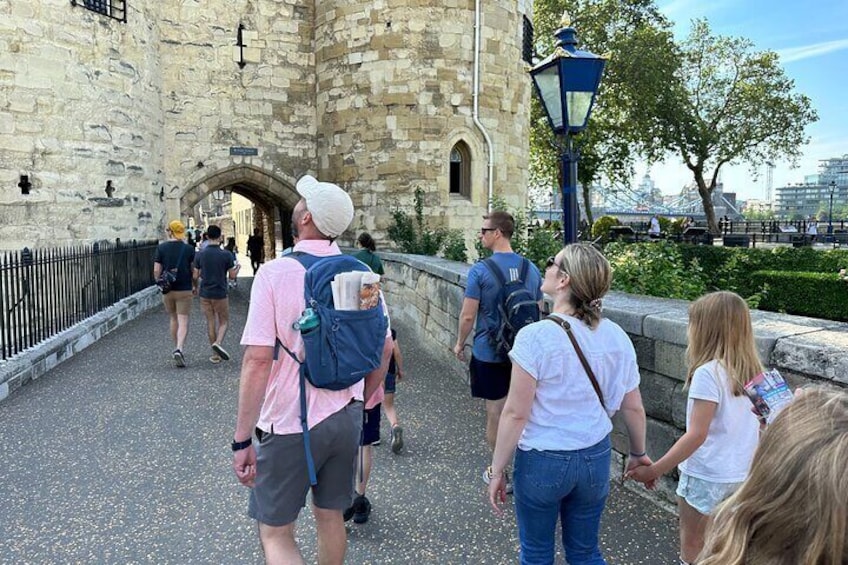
278	289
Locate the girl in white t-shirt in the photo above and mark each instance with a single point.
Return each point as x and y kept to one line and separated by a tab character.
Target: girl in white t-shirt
715	453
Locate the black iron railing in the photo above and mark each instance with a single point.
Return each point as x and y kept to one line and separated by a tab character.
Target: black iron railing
46	291
116	9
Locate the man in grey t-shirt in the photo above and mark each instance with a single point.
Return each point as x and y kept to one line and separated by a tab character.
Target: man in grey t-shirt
212	266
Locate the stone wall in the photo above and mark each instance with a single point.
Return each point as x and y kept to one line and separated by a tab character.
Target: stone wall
427	292
371	95
79	105
394	94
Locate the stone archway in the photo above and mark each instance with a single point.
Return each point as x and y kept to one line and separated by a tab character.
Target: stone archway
273	198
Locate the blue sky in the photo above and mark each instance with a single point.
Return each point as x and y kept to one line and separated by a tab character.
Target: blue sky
812	41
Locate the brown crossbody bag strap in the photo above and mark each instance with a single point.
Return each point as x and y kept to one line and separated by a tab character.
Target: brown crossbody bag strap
567	328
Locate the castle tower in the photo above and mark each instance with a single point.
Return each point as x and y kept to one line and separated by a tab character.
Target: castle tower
174	101
394	98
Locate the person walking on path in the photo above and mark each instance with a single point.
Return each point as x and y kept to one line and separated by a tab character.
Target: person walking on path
256	250
360	509
231	247
715	453
570	373
213	266
269	397
368	253
490	369
393	375
176	256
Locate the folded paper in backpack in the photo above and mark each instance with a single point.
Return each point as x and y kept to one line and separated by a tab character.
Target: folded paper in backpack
356	290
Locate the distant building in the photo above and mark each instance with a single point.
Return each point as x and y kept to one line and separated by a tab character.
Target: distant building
808	198
756	206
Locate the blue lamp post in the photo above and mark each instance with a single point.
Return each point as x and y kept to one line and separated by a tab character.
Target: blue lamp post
566	82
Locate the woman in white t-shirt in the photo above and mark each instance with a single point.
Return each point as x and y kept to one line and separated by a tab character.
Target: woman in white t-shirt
715	453
556	419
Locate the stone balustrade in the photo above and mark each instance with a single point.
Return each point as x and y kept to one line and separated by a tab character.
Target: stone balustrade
427	293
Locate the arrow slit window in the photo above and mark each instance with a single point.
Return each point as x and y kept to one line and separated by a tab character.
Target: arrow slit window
460	170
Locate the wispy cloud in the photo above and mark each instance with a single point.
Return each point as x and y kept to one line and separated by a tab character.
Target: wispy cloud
813	50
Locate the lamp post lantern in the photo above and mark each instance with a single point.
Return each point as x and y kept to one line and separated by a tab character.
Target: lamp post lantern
567	81
830	212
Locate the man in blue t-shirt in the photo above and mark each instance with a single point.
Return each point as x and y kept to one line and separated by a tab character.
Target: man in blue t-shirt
490	371
212	266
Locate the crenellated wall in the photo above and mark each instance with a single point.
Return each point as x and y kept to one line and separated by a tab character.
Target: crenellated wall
427	292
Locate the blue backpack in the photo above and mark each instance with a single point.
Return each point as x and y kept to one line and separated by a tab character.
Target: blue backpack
517	306
344	346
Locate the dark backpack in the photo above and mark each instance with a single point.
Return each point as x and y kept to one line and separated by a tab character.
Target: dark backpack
344	346
517	306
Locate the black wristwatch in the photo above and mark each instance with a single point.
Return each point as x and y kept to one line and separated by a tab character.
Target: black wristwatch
239	445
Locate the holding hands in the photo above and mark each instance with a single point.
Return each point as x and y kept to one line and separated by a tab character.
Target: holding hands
642	469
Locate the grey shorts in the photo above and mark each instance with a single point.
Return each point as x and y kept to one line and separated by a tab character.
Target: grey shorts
703	496
282	480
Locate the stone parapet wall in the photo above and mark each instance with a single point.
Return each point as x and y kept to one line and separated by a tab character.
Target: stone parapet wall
427	293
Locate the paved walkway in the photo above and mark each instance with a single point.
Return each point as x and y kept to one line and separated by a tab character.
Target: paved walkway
116	456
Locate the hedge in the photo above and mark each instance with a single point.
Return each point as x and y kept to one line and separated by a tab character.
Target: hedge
820	295
729	268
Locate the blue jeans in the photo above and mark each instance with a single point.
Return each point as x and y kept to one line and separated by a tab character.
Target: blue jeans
571	485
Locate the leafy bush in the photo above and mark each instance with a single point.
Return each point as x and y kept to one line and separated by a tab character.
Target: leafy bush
454	248
601	227
665	224
411	234
821	295
656	269
676	226
729	268
543	242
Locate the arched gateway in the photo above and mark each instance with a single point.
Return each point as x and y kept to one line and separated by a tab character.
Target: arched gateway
273	198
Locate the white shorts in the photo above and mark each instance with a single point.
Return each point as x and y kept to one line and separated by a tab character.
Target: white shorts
703	495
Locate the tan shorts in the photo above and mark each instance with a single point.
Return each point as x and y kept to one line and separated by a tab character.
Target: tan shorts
216	306
177	301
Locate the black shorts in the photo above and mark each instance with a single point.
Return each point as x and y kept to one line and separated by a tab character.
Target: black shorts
489	380
370	425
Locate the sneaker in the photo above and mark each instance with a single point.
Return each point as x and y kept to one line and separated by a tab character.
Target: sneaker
179	359
222	353
348	514
215	359
397	439
376	442
363	510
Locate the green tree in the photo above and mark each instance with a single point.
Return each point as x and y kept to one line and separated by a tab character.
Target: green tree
727	103
635	37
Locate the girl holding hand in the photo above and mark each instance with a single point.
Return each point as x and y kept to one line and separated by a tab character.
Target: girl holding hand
715	453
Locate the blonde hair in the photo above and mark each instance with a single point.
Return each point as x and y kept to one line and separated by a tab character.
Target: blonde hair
590	280
793	508
720	328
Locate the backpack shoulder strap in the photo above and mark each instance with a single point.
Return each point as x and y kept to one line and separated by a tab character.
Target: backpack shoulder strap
496	272
525	267
304	259
307	261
